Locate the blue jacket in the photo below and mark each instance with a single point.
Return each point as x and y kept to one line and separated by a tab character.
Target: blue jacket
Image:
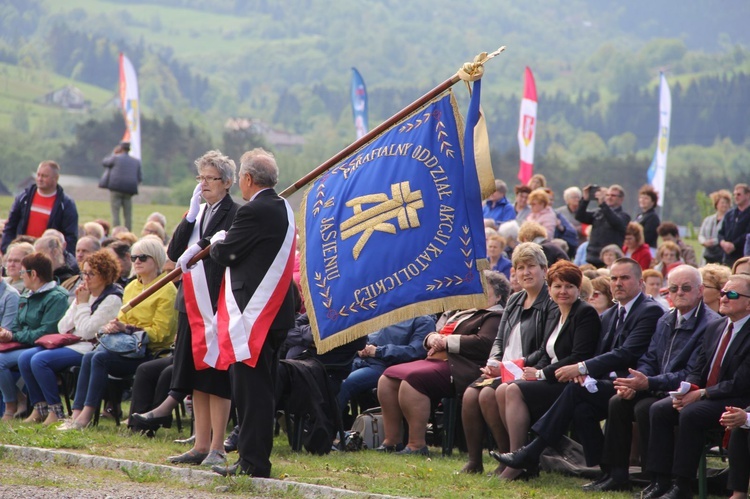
396	344
501	212
64	217
673	353
8	304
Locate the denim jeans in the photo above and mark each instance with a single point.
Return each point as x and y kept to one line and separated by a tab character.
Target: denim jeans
96	366
38	368
363	379
9	360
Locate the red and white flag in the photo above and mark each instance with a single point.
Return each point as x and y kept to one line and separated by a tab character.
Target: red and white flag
527	129
130	106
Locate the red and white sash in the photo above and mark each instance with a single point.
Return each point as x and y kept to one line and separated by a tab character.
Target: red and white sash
239	335
198	301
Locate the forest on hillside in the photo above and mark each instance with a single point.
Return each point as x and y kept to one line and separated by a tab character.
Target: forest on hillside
203	61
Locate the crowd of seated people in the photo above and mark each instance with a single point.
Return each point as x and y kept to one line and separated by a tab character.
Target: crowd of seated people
558	346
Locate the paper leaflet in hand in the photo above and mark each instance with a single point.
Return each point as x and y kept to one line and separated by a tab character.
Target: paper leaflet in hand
684	388
511	369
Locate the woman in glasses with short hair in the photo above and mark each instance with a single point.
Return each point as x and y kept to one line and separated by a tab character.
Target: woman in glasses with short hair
97	301
210	387
155	315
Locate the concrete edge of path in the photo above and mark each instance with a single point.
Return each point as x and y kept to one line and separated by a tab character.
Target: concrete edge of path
197	476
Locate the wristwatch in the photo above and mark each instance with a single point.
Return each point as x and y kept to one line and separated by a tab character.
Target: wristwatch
582	369
703	395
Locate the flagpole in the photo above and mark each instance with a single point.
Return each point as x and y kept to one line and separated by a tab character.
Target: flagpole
351	148
470	71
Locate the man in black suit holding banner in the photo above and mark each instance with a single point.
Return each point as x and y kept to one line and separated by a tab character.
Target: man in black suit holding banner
256	307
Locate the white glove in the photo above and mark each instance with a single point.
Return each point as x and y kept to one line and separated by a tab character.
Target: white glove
589	384
195	204
218	237
187	256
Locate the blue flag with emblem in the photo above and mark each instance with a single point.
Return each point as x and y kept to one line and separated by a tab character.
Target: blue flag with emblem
395	230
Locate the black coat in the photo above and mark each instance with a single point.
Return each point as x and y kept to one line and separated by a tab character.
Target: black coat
545	315
221	220
576	342
124	174
650	221
607	227
734	375
252	243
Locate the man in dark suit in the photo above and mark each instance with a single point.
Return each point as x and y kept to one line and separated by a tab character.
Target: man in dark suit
121	177
670	357
723	374
626	333
738	420
735	226
259	251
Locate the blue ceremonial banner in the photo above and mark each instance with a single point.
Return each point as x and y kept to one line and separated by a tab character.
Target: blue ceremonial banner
396	229
359	103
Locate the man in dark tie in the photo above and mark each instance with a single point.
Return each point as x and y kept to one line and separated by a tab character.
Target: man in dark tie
258	249
670	357
721	379
627	332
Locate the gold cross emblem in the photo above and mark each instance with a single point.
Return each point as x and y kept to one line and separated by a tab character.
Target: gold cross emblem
403	206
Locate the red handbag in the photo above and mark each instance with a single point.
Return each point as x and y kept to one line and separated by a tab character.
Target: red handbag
57	340
11	345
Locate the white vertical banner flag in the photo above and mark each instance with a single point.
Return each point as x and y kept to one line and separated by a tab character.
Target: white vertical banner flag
657	172
130	106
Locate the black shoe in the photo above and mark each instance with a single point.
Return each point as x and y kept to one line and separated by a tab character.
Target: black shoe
390	448
230	444
150	422
231	470
589	487
610	485
519	460
677	492
655	490
235	469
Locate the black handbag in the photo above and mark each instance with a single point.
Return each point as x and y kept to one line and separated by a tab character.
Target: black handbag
104	181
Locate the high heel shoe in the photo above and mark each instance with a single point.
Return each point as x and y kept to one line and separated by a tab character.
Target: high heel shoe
150	422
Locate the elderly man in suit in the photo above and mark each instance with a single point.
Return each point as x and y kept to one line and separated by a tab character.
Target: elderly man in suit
721	379
670	357
258	249
626	333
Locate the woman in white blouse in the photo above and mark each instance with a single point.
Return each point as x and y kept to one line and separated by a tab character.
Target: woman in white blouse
98	300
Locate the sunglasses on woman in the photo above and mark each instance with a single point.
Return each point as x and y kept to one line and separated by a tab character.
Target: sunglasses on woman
732	295
140	258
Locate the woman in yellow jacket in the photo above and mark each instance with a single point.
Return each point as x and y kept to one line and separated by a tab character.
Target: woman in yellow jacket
156	315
